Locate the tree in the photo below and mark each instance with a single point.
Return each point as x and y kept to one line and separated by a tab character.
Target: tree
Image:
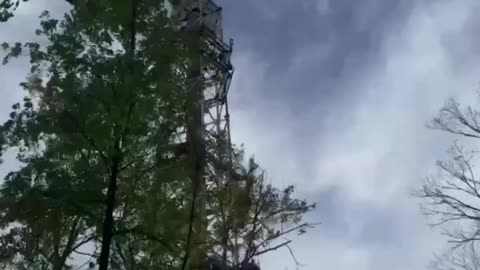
104	99
465	257
249	217
453	197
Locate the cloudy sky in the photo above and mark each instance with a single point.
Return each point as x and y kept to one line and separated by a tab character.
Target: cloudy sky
333	96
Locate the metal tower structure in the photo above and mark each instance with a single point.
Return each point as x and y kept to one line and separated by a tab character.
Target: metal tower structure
212	74
207	123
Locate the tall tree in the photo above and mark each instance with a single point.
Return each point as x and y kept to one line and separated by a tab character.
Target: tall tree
452	198
104	99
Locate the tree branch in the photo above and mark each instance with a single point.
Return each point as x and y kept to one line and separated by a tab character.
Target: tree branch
258	253
148	236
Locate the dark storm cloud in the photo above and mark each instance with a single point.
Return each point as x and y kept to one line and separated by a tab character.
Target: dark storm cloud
325	102
309	53
279	30
337	100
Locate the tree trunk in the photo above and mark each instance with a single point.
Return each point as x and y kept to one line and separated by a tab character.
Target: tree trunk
67	251
108	223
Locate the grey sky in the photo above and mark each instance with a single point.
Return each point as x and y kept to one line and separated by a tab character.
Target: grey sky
336	99
333	95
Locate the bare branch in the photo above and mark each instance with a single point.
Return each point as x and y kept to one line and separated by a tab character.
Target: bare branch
453	120
258	253
464	258
294	257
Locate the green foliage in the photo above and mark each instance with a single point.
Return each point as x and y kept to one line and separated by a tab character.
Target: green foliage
103	101
249	216
7	7
104	89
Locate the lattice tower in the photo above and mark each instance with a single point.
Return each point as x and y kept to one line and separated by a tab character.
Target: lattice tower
208	124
